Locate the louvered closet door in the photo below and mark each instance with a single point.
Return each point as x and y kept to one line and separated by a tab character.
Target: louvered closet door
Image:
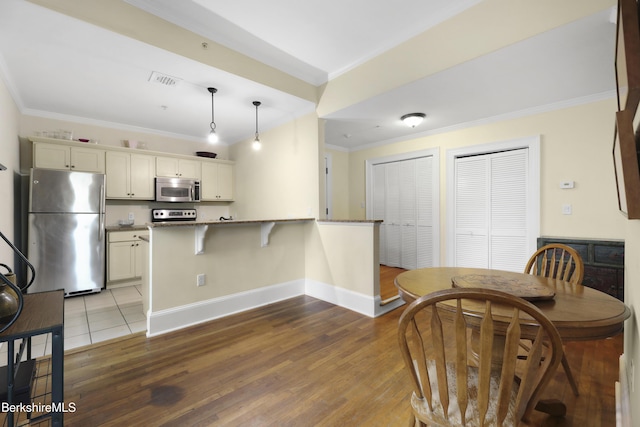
509	183
491	210
392	214
408	237
403	199
424	212
379	206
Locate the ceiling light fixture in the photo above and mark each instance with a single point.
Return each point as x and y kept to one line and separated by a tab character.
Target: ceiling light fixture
256	142
413	119
213	136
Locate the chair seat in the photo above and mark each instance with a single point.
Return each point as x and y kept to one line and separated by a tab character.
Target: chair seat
454	418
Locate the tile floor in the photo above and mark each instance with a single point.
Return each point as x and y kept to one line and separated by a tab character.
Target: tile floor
93	318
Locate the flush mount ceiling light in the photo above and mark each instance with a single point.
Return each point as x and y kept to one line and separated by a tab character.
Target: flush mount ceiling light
256	142
213	136
413	119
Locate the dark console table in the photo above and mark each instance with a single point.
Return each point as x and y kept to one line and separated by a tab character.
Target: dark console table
603	262
43	313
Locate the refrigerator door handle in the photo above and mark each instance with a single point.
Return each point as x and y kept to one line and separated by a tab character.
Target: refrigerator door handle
102	213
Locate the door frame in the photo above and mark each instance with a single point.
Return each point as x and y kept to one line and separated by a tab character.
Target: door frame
532	143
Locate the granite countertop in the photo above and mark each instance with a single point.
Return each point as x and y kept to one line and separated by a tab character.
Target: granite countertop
355	221
126	227
218	222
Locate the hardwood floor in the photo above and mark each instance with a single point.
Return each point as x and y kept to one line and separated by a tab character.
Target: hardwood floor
299	362
388	289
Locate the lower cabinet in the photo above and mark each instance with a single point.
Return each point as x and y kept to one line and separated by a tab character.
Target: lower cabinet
603	262
124	258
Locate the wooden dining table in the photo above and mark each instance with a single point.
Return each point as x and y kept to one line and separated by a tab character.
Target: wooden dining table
578	312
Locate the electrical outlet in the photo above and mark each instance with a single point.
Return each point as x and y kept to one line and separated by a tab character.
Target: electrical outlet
131	217
200	280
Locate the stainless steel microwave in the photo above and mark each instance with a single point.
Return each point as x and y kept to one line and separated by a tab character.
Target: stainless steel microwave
177	190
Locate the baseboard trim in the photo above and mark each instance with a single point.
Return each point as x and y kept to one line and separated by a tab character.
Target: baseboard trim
360	303
623	399
163	321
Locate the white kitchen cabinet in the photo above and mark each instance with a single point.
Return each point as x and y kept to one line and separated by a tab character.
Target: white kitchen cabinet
217	181
59	156
124	257
172	167
130	176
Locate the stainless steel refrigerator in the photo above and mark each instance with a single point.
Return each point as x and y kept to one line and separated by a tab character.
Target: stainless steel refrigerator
66	231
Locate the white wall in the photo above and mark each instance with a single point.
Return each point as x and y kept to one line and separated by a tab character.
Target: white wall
9	179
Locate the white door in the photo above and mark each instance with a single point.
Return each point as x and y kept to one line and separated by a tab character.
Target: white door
493	210
402	194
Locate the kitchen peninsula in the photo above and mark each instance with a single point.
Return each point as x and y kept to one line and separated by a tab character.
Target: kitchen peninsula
199	271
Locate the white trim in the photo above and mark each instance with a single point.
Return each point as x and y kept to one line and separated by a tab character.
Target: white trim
533	144
432	152
336	148
172	319
345	298
177	318
623	393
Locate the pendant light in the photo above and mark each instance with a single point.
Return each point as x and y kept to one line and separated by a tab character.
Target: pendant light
256	142
213	136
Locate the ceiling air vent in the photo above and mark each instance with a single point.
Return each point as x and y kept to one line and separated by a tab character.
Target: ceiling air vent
164	79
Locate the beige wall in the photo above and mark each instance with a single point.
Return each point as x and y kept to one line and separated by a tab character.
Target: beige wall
233	262
281	180
9	157
344	255
576	145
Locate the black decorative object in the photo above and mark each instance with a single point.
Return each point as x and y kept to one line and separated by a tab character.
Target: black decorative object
11	299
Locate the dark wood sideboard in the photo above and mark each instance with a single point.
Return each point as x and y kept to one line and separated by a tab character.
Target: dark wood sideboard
603	262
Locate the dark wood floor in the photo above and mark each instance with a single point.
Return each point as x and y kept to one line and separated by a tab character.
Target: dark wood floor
299	362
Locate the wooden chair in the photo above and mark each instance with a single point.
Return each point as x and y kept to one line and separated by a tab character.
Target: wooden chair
434	337
558	261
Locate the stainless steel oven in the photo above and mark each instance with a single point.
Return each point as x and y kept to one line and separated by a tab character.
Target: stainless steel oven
165	215
177	190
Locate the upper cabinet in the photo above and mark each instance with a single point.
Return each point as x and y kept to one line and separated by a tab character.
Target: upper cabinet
130	176
82	159
130	173
217	182
172	167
